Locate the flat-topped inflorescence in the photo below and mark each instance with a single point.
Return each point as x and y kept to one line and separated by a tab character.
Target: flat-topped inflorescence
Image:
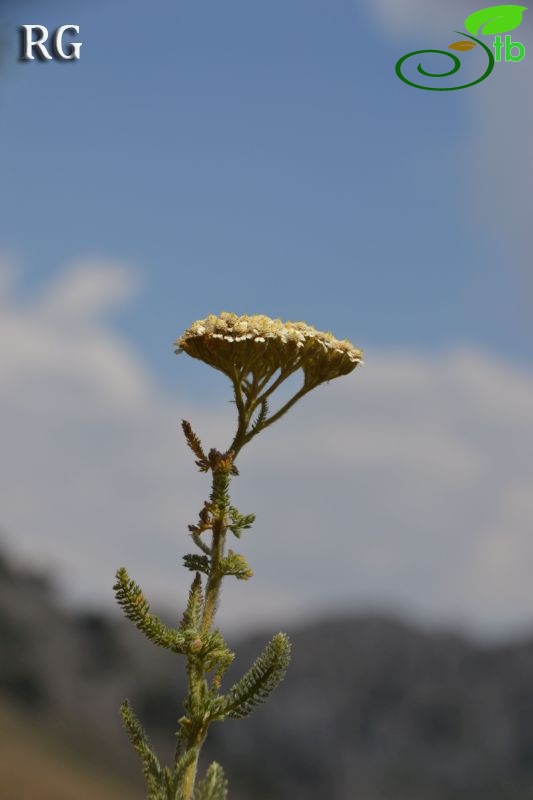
259	346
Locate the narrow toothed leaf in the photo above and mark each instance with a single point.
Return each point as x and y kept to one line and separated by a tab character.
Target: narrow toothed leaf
192	616
197	563
214	786
259	682
151	767
196	446
129	595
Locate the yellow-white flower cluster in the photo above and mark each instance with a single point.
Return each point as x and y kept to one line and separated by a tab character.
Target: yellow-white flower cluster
240	345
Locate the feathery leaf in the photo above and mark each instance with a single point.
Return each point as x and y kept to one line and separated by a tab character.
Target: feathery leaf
239	522
260	419
214	786
193	612
236	564
129	595
216	652
258	683
197	563
151	767
196	446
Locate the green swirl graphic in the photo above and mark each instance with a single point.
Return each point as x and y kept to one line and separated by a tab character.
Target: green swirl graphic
452	71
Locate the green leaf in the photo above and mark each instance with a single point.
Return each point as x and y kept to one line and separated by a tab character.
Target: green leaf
216	653
239	522
261	418
214	786
197	563
236	564
193	613
169	784
151	767
495	19
129	595
258	683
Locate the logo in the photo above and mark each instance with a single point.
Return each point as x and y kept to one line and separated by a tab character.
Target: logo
491	21
29	44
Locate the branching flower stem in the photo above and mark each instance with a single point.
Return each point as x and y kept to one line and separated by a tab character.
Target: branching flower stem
246	411
258	354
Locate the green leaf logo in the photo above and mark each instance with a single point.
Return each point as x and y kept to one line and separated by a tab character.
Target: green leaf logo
495	19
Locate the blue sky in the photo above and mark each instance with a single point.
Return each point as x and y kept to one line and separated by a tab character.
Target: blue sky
264	158
253	157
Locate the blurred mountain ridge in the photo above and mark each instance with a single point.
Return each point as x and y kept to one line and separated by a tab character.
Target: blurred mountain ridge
372	708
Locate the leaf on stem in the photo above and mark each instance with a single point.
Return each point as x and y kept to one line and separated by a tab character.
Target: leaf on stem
193	613
139	739
197	563
130	597
216	652
214	786
260	419
239	522
236	564
196	446
258	683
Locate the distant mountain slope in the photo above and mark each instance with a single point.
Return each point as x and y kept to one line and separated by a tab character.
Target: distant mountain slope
36	764
372	709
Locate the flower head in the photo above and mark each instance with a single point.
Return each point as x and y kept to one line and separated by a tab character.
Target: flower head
258	345
258	353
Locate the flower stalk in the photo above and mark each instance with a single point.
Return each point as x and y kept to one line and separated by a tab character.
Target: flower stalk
258	354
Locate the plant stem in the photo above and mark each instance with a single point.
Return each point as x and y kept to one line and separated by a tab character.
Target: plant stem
197	726
189	776
214	580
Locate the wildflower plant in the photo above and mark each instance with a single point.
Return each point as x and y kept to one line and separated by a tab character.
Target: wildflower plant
257	354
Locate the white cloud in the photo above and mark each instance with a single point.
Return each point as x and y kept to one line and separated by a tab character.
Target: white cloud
405	18
61	340
405	485
87	291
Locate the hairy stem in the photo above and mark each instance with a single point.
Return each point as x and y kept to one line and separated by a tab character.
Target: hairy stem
189	776
197	726
214	580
